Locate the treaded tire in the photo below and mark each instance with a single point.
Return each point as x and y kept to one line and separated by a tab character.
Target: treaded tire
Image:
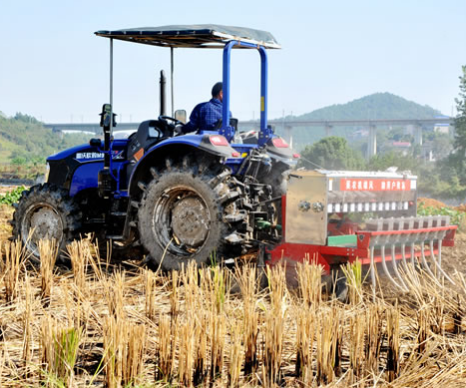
210	197
52	213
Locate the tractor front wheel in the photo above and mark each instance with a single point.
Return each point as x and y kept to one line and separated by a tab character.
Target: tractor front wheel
45	212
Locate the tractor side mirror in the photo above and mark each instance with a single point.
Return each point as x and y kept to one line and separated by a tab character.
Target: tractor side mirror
181	115
234	123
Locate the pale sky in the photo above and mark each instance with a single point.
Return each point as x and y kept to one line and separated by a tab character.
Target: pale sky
52	66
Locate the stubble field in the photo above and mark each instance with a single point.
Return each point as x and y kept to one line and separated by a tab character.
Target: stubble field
99	324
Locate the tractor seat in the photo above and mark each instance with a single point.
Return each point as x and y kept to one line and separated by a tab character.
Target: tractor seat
149	133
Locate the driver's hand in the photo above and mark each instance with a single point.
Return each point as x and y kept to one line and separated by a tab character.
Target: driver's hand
178	129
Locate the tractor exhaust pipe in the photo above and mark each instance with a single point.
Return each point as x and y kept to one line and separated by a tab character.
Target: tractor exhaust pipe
163	100
105	180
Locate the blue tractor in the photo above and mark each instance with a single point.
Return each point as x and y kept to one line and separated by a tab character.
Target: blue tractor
175	198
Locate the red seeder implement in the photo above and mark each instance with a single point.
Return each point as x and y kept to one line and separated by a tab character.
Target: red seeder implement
332	239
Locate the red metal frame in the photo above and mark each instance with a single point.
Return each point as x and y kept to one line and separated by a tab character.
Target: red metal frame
328	256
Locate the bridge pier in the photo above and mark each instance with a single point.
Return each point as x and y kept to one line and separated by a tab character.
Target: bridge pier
328	130
372	141
289	135
418	134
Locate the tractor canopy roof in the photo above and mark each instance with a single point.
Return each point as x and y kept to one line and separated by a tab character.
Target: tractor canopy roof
193	36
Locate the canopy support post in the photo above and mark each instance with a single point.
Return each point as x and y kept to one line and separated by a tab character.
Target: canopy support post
172	70
111	86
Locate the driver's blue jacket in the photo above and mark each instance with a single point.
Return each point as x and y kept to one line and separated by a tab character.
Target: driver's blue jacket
204	116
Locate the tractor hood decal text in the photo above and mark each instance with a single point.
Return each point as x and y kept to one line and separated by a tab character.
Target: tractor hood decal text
97	155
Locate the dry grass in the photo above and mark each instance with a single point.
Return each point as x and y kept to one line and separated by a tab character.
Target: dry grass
6	213
102	326
48	251
12	266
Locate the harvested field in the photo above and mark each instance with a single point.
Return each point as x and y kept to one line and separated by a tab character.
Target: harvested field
6	214
430	202
117	326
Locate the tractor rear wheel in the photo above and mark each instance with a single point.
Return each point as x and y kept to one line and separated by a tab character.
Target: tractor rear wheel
188	215
45	212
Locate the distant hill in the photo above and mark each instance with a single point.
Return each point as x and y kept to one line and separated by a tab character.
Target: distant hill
376	106
23	139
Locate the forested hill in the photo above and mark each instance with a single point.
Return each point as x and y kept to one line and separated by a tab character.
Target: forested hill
373	107
24	139
376	106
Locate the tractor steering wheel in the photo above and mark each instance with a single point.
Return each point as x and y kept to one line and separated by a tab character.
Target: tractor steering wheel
172	119
174	126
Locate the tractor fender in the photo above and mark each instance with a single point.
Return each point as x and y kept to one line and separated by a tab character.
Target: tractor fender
176	148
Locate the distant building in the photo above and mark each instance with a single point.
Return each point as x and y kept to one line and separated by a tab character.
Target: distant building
442	128
402	146
360	133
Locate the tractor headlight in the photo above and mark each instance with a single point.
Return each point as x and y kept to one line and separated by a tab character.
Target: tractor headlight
47	171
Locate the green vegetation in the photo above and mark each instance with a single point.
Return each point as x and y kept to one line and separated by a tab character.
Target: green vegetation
456	216
24	140
12	196
447	178
438	180
376	106
332	153
392	158
460	120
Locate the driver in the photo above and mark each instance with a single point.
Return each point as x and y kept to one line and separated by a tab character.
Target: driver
206	115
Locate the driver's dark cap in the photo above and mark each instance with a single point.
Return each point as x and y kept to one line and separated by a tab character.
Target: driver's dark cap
218	87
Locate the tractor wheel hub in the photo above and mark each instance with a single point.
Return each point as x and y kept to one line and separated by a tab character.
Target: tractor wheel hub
190	221
46	224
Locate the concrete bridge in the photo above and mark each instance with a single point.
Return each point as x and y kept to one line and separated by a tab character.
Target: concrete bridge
287	127
88	127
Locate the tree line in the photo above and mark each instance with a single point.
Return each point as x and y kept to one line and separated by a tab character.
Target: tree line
444	178
24	140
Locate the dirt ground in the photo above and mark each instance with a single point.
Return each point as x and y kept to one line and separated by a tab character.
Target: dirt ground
197	318
453	258
6	214
430	202
5	189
